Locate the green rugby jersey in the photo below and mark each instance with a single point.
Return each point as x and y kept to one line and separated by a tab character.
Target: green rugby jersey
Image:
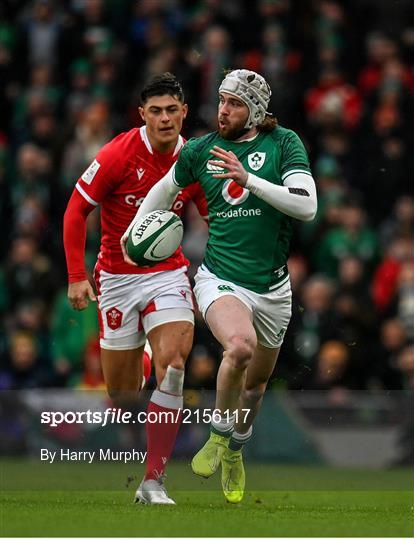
248	239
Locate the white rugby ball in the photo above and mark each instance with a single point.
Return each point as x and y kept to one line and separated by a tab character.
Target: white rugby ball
154	237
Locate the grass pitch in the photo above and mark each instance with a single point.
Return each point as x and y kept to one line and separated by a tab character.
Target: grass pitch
96	500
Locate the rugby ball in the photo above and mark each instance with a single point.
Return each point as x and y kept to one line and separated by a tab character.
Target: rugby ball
154	237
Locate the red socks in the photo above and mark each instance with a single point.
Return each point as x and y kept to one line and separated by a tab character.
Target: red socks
161	437
164	415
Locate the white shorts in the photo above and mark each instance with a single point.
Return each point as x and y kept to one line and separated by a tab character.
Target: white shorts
131	305
271	311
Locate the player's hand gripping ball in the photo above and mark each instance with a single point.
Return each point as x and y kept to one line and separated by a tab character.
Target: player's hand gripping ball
154	237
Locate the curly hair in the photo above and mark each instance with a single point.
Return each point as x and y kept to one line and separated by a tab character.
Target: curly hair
268	124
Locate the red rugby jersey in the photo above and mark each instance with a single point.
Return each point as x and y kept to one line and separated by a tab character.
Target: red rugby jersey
119	178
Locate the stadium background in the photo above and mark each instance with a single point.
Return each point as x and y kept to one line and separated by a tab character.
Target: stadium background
342	75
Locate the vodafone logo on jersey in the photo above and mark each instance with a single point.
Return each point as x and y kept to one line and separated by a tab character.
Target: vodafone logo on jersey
233	193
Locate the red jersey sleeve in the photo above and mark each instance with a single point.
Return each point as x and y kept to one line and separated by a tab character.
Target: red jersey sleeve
74	236
201	202
103	174
199	199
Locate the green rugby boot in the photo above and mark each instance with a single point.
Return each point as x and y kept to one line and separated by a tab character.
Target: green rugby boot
233	478
207	460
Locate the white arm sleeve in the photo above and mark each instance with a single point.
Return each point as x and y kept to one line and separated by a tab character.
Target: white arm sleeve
160	197
296	198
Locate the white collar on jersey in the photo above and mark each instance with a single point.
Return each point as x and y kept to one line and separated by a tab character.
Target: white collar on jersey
247	140
144	137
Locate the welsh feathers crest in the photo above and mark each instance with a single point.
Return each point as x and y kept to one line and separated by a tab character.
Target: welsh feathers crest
114	318
256	160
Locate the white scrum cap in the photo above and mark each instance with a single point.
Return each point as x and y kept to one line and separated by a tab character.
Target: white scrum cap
252	89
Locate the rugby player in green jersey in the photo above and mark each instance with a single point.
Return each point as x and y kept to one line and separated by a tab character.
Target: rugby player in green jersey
256	177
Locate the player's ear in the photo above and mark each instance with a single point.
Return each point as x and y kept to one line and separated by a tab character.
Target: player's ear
141	113
185	110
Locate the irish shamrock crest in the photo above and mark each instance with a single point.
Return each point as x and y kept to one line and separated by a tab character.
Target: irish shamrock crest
256	160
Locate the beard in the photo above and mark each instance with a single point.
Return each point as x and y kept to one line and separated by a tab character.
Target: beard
233	133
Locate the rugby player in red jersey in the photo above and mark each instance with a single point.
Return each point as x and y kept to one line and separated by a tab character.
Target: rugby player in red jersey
136	302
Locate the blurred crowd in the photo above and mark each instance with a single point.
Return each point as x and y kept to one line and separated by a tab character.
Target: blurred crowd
342	75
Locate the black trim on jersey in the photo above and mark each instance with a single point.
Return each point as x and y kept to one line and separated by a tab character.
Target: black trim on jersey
299	191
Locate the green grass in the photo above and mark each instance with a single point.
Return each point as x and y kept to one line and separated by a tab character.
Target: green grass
95	500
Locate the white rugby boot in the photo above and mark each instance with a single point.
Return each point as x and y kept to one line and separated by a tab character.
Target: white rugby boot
152	492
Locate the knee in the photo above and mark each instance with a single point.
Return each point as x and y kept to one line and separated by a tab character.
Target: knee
174	355
240	350
178	361
175	359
